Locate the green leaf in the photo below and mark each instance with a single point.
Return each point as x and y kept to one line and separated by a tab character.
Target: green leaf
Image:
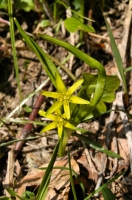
27	109
76	4
5	198
101	107
117	56
97	146
14	53
28	195
107	194
72	24
46	179
44	23
48	65
105	185
89	79
128	69
3	4
11	192
14	141
112	84
26	5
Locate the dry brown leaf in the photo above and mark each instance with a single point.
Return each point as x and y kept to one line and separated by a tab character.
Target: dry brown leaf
59	177
123	151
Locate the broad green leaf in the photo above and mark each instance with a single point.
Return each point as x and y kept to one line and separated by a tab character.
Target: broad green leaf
112	84
3	4
101	107
11	192
107	194
97	146
26	5
117	56
76	4
72	24
89	79
99	89
46	179
28	195
44	23
108	97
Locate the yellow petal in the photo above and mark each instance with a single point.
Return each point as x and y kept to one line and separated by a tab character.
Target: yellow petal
78	100
42	113
50	126
60	84
67	110
60	129
75	86
58	112
68	125
50	116
54	107
51	94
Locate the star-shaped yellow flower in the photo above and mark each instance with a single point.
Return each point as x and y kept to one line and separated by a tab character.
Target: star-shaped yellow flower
59	122
64	96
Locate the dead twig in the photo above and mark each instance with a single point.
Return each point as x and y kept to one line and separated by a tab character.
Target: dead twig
28	127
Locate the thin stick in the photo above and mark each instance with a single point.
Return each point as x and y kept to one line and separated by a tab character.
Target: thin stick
28	127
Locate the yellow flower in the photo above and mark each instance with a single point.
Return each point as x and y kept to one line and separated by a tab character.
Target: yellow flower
64	96
59	122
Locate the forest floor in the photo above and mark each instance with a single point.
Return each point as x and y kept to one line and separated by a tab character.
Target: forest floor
94	168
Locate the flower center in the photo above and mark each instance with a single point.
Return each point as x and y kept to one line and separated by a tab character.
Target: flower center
65	97
60	121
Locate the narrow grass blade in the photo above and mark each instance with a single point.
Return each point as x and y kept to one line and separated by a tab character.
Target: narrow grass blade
46	179
15	141
48	65
10	12
128	69
107	194
22	121
5	198
117	56
105	185
97	146
71	178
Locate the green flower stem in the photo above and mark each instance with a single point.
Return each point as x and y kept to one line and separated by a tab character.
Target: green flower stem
63	141
61	2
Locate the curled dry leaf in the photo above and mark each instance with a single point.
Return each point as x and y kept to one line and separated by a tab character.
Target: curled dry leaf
60	179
